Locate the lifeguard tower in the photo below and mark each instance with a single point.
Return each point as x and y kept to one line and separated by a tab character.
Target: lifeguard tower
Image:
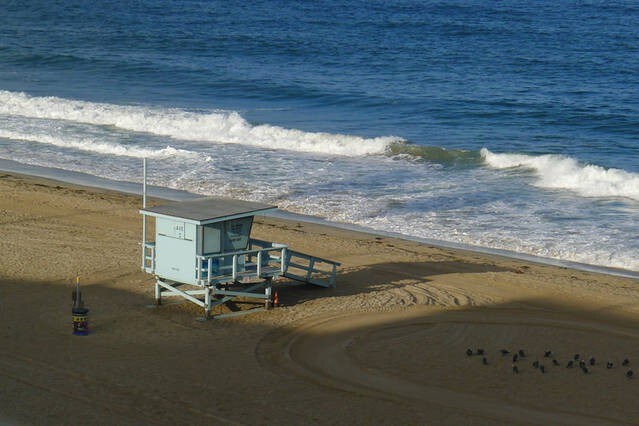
204	253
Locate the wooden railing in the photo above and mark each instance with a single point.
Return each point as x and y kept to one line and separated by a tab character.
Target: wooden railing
310	269
265	261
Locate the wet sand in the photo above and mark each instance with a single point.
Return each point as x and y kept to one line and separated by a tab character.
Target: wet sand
386	346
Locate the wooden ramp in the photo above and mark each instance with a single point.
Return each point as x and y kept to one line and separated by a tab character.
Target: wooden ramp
310	269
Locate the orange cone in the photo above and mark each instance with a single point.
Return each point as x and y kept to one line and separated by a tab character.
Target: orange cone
276	300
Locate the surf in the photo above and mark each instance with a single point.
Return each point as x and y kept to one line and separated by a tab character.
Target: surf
227	127
554	171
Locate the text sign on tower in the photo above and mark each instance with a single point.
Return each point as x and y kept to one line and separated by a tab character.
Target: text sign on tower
172	229
178	230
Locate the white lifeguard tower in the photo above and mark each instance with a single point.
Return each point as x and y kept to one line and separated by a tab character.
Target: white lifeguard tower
203	252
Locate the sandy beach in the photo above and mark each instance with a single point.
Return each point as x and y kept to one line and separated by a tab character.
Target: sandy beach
386	346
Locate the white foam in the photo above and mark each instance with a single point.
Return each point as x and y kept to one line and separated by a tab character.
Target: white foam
216	127
524	237
91	145
561	172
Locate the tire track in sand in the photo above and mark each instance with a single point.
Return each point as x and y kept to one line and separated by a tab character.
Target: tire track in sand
316	350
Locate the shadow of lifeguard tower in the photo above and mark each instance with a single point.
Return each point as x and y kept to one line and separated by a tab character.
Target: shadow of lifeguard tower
204	253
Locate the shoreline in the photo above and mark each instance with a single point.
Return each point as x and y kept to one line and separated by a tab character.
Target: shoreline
394	331
168	194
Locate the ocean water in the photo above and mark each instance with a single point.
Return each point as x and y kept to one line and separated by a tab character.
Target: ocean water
510	125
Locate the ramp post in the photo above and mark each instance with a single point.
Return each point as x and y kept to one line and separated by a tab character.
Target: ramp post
267	292
207	302
158	293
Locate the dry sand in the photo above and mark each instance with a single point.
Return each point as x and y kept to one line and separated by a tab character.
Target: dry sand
386	346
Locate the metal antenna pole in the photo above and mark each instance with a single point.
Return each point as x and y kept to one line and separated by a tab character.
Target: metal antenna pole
144	183
144	216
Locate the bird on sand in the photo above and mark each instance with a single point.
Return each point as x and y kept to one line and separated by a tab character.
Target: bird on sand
547	354
555	362
542	369
592	360
480	351
625	362
584	369
504	352
570	364
522	353
484	361
576	357
515	369
535	364
629	374
609	365
582	364
515	358
469	352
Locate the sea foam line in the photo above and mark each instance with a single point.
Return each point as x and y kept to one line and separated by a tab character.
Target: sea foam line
91	145
561	172
216	127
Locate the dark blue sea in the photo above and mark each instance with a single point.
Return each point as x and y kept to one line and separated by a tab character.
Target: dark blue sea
508	125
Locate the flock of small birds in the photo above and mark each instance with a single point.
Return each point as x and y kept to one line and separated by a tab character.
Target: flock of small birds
519	359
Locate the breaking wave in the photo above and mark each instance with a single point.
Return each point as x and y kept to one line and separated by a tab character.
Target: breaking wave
561	172
216	127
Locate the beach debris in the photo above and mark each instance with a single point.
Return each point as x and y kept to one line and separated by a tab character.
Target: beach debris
504	352
480	351
570	364
555	362
542	368
484	361
609	365
547	354
535	364
522	353
515	358
625	362
276	300
515	369
469	352
629	374
592	360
